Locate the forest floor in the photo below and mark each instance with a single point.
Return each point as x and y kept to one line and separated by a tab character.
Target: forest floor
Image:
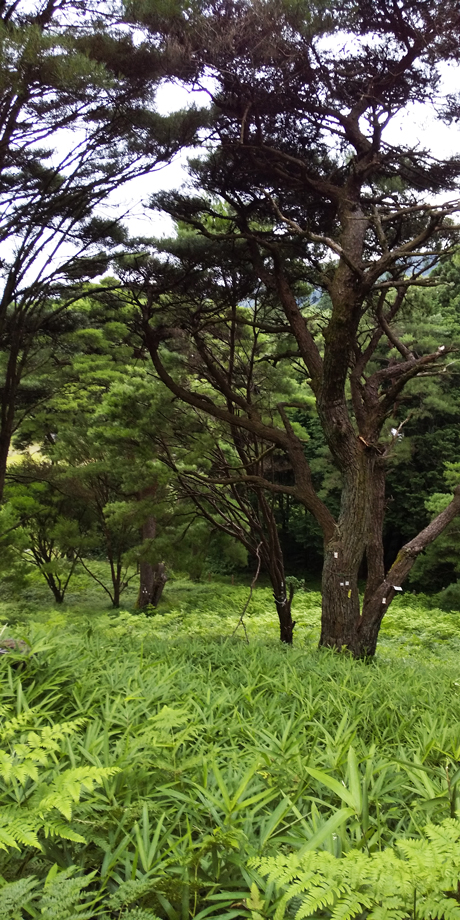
212	609
147	761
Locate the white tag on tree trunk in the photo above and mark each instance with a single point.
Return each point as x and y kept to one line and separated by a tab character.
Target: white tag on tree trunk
397	588
384	600
341	584
347	583
336	555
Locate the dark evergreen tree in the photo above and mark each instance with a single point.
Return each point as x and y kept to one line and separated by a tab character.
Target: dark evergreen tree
302	97
77	120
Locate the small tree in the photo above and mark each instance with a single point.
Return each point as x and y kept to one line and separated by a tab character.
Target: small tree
217	489
221	471
45	536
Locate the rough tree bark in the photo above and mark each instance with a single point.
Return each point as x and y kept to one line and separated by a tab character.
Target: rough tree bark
146	574
273	560
283	608
358	534
152	577
159	580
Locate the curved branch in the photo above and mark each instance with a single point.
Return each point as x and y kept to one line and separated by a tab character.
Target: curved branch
288	441
405	372
153	339
408	554
403	350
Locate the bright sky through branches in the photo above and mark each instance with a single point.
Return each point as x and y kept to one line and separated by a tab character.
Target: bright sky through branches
417	121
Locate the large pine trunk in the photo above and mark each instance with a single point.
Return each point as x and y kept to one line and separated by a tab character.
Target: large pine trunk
346	623
359	534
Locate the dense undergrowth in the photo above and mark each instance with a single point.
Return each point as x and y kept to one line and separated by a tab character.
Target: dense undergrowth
161	766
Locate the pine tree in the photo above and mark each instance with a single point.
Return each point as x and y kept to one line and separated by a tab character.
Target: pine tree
77	120
302	96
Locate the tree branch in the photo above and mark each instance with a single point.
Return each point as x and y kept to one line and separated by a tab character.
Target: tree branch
408	554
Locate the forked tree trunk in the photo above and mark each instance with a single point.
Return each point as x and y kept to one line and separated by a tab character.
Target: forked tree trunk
116	595
58	593
116	570
340	600
152	581
362	503
158	583
145	584
345	625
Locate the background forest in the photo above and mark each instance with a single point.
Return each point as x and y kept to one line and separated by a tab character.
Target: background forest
235	425
106	466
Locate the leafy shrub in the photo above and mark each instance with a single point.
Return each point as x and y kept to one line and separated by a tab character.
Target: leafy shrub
449	598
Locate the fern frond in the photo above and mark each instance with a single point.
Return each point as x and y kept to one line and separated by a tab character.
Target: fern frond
321	895
63	893
129	892
140	913
67	787
351	905
20	769
438	907
17	723
61	830
383	883
14	896
16	828
387	911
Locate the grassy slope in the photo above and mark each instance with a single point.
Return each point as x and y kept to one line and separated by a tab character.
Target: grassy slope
214	739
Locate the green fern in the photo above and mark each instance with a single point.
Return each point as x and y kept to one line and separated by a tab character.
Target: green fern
382	886
129	892
62	895
36	794
66	788
15	896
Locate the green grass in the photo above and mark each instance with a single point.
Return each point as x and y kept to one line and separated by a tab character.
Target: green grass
180	752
